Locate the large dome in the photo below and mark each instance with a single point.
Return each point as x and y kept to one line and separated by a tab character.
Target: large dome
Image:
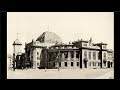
49	37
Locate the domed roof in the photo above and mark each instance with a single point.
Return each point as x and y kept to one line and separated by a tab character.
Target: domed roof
17	42
49	37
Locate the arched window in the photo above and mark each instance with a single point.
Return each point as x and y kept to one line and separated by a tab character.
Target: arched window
85	54
89	55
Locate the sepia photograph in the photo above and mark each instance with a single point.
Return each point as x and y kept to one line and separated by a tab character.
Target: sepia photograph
60	45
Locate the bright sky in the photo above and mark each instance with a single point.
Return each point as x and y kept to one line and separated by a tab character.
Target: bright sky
69	26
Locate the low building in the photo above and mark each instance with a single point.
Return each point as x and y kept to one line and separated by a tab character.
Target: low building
9	61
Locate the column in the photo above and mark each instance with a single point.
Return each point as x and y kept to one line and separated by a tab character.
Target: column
74	55
68	55
57	64
63	56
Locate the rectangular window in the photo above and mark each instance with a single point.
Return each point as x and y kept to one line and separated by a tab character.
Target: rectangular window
77	54
72	54
94	55
77	63
54	64
104	46
38	58
59	64
37	53
65	64
89	55
90	64
72	64
85	45
105	63
66	55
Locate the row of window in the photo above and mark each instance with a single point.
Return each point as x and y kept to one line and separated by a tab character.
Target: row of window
77	55
94	55
66	64
54	55
65	47
72	55
72	64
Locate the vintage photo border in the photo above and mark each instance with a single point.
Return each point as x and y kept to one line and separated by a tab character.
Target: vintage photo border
3	38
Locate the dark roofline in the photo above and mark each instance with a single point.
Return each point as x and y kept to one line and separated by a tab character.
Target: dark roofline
83	41
80	41
16	44
101	43
63	45
39	46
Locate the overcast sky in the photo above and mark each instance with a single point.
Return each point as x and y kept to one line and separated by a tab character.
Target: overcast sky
69	26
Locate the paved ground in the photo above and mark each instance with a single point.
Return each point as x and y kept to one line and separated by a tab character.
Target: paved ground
62	74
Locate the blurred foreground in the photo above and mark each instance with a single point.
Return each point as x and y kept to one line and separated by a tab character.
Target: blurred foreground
61	74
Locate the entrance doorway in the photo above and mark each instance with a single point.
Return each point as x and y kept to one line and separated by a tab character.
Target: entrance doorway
108	64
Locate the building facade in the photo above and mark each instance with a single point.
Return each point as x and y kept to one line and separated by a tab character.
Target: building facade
79	54
48	51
